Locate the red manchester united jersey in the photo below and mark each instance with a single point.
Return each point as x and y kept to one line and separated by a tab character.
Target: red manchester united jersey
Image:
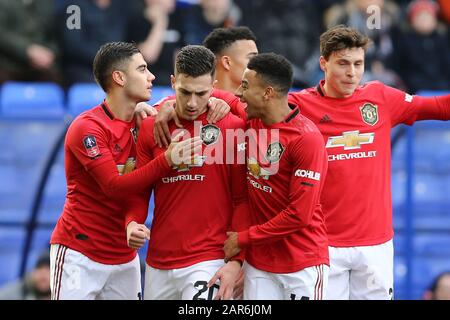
356	198
195	203
99	159
285	175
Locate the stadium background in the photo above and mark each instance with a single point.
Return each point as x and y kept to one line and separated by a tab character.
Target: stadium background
34	117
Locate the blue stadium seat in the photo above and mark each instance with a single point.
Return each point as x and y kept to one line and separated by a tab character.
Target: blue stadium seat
431	148
41	100
26	145
418	280
17	186
431	206
54	195
398	185
432	93
424	270
39	244
425	244
11	246
432	244
160	92
84	96
27	142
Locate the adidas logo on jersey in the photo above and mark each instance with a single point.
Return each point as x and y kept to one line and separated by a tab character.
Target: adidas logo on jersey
326	118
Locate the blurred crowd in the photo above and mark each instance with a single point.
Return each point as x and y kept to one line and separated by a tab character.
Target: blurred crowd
56	40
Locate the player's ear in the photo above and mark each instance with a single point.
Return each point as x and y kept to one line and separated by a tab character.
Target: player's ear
323	62
118	77
269	93
225	61
172	81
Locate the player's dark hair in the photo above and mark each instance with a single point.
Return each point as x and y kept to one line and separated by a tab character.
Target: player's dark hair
341	37
221	38
110	57
195	61
274	69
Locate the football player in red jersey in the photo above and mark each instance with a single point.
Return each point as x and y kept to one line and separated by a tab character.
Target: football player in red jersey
195	203
287	245
90	258
355	121
233	48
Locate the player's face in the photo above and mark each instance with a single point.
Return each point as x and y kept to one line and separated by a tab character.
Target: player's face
138	79
343	72
252	92
192	94
240	53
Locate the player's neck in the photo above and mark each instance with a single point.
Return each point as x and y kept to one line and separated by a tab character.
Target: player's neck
225	83
276	112
121	107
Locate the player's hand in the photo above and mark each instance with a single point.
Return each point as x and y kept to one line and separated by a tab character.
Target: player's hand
217	110
231	245
137	234
227	275
157	13
161	131
238	291
183	152
142	111
40	57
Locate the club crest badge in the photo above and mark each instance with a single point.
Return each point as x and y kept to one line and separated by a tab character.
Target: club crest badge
274	152
209	134
369	113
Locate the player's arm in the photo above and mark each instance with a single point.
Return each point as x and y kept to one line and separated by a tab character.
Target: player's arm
241	209
136	214
236	106
306	153
137	204
90	145
405	108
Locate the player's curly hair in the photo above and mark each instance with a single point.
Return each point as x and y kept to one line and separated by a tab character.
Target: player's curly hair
110	57
195	61
221	38
274	69
341	37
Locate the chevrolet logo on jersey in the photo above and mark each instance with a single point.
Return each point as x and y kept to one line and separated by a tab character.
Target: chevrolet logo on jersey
198	161
256	171
350	140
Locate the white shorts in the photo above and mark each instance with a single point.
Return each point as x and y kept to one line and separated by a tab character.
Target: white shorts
361	273
189	283
73	276
307	284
